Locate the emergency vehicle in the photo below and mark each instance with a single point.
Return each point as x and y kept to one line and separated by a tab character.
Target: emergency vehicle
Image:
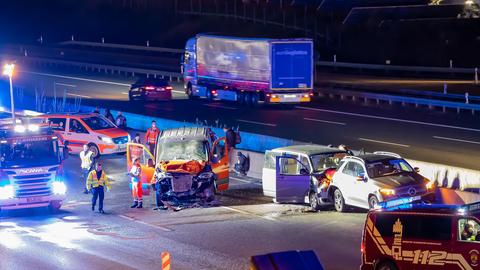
405	235
102	136
188	161
31	161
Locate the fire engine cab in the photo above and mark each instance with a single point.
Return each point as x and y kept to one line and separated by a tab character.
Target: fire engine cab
30	166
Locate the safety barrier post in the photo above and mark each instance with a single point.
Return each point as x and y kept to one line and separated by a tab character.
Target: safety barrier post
466	98
165	260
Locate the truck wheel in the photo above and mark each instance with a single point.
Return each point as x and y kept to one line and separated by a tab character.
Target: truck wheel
209	94
387	265
241	98
255	99
339	202
96	152
189	92
313	200
54	207
249	99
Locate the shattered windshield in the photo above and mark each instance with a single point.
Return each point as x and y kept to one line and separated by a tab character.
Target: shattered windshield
322	162
182	150
388	167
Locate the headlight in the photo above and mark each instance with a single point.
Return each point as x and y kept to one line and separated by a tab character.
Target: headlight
387	192
106	139
430	185
7	192
59	188
129	138
205	175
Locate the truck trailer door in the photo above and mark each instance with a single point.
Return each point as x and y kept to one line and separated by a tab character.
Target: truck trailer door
147	162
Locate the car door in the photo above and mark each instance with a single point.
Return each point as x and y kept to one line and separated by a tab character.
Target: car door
291	184
58	125
147	163
361	188
77	135
346	181
220	163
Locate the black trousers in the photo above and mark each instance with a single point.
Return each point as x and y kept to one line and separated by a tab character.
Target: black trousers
158	194
98	192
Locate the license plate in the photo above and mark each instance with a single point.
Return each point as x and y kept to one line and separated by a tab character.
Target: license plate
290	96
34	199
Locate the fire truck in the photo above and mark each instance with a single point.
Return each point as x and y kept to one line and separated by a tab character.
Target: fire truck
31	173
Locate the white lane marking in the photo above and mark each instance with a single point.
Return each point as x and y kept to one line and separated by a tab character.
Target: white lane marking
248	213
124	93
245	181
147	224
384	142
258	123
455	140
77	95
324	121
76	78
389	119
178	92
65	84
219	106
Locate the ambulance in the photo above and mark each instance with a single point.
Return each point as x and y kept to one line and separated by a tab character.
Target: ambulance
31	173
406	235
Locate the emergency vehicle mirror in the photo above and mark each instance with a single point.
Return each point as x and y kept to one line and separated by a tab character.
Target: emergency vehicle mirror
416	169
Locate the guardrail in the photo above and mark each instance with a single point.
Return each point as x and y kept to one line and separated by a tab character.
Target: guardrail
431	103
122	46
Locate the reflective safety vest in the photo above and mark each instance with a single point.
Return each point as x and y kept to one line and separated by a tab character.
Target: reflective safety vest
86	159
93	181
151	135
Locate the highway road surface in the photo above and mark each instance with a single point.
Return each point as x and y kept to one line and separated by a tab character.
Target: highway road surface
417	133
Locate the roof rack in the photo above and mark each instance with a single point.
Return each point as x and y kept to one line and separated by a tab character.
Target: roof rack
387	154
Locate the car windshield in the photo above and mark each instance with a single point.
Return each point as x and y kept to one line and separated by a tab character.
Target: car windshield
97	123
387	167
27	152
322	162
182	150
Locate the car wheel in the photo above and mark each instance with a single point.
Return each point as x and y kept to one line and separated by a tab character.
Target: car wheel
313	200
240	98
339	201
96	152
387	265
372	201
189	92
54	207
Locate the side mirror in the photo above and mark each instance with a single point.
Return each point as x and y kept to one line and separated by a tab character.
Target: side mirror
416	169
304	171
360	178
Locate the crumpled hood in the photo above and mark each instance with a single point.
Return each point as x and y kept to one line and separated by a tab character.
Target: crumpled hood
399	180
182	166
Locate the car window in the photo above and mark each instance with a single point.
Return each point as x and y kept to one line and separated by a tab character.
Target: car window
468	230
76	126
98	123
354	169
322	162
305	162
270	159
388	167
57	123
415	227
290	165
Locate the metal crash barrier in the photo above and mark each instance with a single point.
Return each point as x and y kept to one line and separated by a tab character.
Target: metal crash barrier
286	260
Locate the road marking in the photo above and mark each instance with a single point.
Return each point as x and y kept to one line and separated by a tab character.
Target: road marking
258	123
384	142
178	92
389	119
248	213
146	224
64	84
124	93
219	106
245	181
77	95
325	121
455	140
76	78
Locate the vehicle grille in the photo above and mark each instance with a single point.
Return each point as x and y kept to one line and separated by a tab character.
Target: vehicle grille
120	140
181	182
408	191
32	185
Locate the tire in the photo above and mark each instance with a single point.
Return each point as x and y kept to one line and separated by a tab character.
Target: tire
96	152
255	99
372	201
313	200
339	201
387	265
54	207
240	97
189	92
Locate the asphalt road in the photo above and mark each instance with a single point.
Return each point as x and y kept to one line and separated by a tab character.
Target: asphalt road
244	223
417	133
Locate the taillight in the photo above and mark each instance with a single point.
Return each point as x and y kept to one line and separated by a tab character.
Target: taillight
306	95
362	248
311	94
149	88
214	92
169	88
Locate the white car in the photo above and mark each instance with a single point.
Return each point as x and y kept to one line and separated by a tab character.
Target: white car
366	180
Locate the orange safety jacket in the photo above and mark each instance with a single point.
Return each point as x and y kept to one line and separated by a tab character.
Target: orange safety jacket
151	135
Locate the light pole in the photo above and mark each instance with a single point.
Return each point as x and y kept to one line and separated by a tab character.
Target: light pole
8	71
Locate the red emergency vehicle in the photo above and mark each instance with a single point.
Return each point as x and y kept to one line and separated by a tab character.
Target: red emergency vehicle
410	236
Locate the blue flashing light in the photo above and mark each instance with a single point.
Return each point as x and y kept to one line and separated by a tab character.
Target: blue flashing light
399	202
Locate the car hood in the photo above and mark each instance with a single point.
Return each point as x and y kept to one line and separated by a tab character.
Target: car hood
182	166
112	132
399	180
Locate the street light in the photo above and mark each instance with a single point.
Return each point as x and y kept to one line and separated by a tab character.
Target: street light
8	71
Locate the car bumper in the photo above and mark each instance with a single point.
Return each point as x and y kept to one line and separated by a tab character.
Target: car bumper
107	149
154	95
30	202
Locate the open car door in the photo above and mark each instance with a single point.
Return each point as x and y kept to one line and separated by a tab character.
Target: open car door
220	163
292	180
147	162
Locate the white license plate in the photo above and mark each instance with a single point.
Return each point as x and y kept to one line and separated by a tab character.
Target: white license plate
289	96
34	199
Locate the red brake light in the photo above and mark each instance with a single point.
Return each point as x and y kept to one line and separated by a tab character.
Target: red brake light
268	95
362	248
169	88
149	88
214	92
311	94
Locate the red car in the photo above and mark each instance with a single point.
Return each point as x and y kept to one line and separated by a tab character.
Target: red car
150	89
422	236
